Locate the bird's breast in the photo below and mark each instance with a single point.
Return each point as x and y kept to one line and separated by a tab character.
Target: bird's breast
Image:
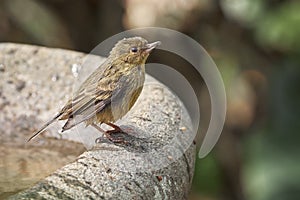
127	92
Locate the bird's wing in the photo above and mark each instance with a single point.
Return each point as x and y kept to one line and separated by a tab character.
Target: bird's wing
85	105
90	99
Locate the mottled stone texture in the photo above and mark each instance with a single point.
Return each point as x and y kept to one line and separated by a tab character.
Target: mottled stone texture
157	162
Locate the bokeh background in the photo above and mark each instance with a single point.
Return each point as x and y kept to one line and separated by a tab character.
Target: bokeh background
256	46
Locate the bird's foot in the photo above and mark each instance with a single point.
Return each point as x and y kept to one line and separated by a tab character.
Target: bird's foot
114	138
107	140
115	135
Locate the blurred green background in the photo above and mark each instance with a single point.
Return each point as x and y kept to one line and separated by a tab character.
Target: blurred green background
256	46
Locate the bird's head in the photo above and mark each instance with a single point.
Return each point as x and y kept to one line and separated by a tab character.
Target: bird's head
134	50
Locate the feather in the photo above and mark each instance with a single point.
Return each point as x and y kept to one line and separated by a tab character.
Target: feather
44	127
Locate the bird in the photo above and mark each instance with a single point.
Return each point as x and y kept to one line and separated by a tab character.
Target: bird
110	91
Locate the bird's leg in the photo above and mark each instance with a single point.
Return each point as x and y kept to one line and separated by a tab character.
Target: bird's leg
116	129
99	128
107	134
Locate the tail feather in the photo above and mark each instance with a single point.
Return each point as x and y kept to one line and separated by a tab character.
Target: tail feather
44	127
71	122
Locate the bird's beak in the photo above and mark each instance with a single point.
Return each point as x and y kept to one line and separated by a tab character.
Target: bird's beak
149	47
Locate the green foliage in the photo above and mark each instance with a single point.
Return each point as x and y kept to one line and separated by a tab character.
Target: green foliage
279	28
207	176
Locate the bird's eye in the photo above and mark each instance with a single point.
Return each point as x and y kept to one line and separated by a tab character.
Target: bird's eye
134	49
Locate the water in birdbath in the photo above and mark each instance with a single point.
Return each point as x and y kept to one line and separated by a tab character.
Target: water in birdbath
23	165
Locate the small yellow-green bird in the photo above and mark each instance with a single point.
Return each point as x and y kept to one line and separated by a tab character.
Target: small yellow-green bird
110	91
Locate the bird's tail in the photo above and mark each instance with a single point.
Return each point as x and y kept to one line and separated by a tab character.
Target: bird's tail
44	127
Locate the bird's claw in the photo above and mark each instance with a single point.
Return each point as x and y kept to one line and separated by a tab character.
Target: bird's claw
110	136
